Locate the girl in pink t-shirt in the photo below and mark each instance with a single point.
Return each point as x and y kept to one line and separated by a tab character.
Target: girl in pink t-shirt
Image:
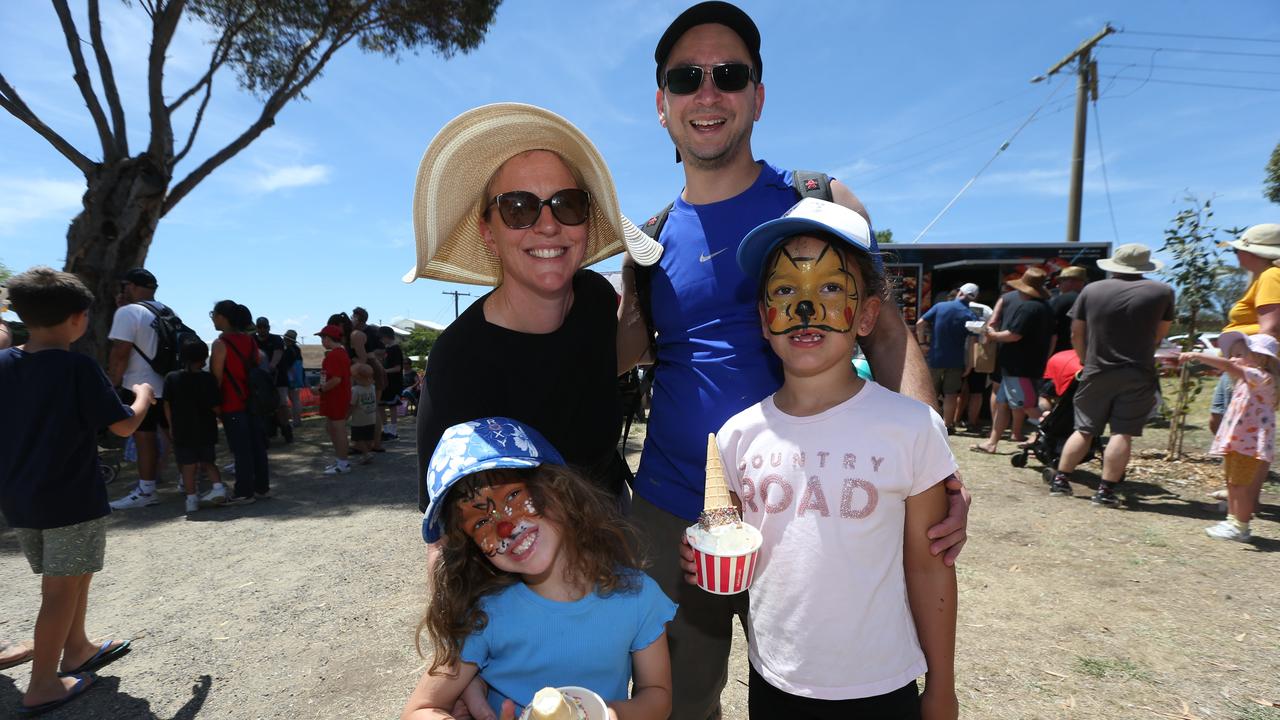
1246	437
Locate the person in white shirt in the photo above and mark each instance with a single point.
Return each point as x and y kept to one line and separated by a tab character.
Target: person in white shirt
843	478
134	340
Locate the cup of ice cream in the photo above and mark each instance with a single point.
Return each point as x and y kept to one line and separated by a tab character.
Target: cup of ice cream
566	703
725	549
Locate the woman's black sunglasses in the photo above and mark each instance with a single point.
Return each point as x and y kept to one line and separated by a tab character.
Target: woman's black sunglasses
728	77
520	208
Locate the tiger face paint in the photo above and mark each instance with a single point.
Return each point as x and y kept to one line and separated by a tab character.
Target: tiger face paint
496	517
808	286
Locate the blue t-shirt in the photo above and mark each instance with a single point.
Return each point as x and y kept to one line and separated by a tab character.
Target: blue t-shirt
713	361
532	642
946	348
55	402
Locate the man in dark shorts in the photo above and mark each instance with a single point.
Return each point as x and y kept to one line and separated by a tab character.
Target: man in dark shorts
134	340
1118	384
273	350
949	333
393	364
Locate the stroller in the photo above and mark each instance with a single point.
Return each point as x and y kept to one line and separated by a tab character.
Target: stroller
1055	427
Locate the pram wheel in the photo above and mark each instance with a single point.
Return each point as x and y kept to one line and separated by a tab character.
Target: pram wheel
1019	460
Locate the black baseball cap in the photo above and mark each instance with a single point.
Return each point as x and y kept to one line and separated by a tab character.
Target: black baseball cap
713	12
141	277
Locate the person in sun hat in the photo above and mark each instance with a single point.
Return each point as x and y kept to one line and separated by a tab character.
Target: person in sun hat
515	196
1115	326
1070	280
1025	341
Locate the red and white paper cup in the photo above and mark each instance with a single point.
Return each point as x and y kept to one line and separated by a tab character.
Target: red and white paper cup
726	574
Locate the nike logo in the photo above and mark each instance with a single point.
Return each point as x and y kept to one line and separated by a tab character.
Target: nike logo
705	257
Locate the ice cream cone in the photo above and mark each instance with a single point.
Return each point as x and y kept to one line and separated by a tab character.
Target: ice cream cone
717	504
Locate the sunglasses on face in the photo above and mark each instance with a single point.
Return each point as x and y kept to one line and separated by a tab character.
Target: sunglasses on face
520	208
728	77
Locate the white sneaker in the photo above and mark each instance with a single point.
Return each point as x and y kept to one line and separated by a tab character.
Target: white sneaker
1226	530
193	503
135	499
338	469
217	495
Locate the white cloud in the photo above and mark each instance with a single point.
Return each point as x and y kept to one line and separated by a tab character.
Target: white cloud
295	322
24	200
292	176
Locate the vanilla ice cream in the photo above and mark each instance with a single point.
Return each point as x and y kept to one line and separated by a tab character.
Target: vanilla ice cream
725	540
551	704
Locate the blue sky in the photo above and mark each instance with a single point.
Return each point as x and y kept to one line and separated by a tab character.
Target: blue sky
904	101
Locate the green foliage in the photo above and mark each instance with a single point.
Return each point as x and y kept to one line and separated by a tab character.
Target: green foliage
419	344
884	237
1271	184
272	43
1190	239
5	272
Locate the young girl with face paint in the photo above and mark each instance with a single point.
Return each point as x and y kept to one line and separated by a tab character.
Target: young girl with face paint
535	583
843	478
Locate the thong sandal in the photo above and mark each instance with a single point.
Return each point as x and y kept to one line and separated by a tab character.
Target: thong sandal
980	449
84	681
14	654
107	654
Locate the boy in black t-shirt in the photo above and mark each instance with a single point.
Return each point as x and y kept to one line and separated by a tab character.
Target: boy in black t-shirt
51	494
394	365
191	400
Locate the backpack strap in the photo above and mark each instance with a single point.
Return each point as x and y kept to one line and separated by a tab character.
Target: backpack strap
807	183
154	308
644	277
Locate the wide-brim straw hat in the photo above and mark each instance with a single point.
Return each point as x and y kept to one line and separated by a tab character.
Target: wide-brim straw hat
1131	259
1032	282
449	195
1261	240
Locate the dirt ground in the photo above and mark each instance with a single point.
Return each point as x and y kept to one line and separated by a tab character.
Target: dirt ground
304	606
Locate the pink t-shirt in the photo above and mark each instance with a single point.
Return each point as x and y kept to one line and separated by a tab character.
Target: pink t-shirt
1249	427
829	615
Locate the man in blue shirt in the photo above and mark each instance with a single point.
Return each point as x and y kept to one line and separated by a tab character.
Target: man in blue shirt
712	361
946	347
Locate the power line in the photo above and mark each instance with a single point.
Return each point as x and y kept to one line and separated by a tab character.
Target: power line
1221	70
1106	184
1188	50
1003	146
1196	84
1202	37
940	126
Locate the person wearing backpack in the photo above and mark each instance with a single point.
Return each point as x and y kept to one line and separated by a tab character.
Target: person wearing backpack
712	361
134	353
232	356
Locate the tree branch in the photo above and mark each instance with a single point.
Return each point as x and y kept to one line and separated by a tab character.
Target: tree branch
195	126
164	24
81	77
287	91
108	80
221	51
10	101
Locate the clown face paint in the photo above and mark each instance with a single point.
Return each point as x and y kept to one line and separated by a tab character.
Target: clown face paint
498	518
808	286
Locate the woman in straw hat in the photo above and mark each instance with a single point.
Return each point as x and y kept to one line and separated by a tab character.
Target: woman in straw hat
515	196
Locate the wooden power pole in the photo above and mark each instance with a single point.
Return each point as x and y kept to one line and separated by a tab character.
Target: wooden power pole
455	295
1087	84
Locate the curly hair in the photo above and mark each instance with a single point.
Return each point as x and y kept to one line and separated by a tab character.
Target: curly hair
596	541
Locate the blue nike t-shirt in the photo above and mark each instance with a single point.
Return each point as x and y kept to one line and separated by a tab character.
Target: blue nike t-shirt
713	361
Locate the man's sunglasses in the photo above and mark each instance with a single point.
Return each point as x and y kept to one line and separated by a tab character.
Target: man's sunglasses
520	208
728	77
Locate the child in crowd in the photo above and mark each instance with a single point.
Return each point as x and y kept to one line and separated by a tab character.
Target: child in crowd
535	583
393	363
335	395
364	405
1246	436
191	400
843	478
55	402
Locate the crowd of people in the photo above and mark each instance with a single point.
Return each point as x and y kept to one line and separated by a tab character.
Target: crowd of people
552	564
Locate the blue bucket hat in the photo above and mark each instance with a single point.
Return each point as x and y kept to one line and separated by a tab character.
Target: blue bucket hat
475	446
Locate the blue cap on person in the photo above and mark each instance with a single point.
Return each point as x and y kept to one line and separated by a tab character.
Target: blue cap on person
808	215
471	447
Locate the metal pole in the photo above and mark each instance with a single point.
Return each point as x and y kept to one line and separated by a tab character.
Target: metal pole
1077	153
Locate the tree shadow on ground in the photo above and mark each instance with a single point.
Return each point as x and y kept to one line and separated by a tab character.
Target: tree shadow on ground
298	486
104	701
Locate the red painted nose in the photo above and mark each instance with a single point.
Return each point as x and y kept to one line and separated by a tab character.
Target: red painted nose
504	529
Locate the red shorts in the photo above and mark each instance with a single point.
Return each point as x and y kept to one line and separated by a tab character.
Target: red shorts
334	406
